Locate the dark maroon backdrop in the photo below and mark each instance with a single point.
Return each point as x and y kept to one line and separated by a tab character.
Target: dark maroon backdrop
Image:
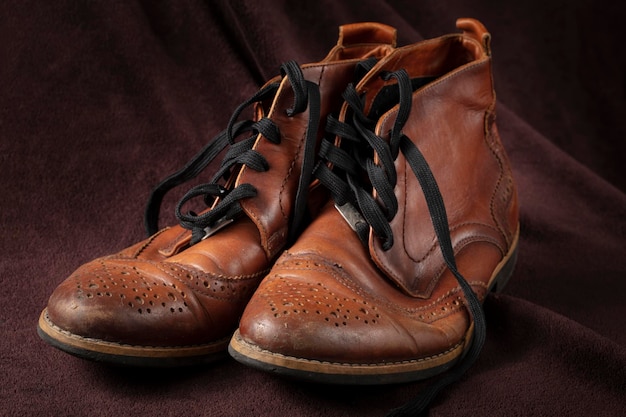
99	101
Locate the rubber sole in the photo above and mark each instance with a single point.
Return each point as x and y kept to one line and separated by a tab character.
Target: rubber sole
128	355
366	374
341	373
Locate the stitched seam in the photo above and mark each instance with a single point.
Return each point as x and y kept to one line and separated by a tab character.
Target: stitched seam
342	278
212	276
452	229
457	248
144	246
500	178
410	361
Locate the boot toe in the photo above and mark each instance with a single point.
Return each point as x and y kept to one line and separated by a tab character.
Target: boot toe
127	302
322	330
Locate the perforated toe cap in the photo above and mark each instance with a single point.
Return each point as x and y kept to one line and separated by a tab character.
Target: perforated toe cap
306	313
128	301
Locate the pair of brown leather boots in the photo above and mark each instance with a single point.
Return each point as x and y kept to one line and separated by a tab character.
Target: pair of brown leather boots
349	235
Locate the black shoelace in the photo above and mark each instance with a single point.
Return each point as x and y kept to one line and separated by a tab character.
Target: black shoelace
350	189
225	202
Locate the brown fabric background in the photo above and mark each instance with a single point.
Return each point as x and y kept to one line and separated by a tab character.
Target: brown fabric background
101	100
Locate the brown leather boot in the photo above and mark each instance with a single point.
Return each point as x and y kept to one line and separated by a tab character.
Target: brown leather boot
386	284
176	297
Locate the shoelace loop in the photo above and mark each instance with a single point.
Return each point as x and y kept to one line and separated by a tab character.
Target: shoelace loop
224	202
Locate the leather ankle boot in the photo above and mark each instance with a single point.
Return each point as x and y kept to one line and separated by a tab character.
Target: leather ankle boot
386	284
176	298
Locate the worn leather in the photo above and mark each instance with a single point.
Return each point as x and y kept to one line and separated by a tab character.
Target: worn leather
163	292
331	300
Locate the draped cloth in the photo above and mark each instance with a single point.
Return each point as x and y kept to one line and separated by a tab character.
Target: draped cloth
101	100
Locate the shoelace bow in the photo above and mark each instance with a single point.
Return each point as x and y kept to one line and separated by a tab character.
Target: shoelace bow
225	202
348	189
